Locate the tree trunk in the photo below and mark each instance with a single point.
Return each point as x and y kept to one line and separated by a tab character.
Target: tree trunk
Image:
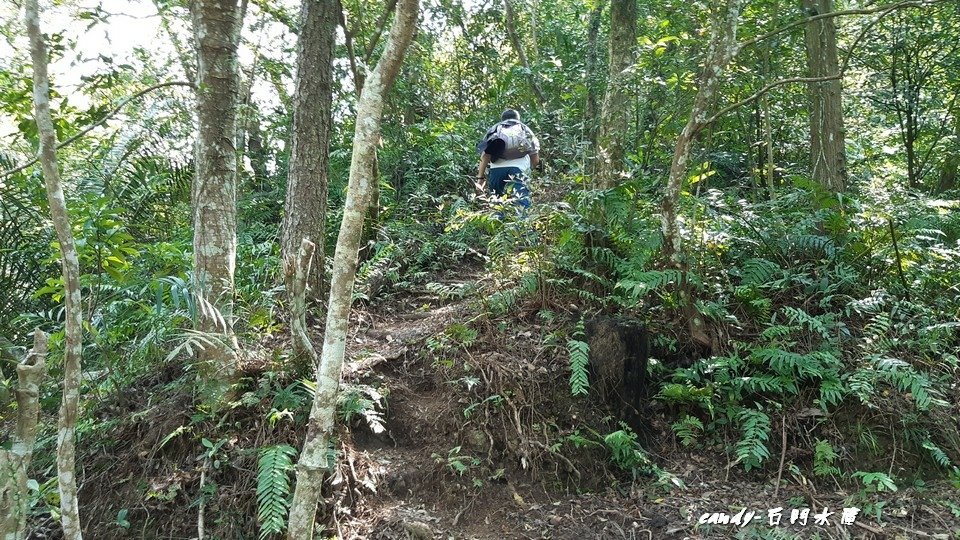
257	153
73	310
15	462
590	107
769	163
951	163
827	144
509	23
723	47
948	173
615	115
305	208
216	27
317	448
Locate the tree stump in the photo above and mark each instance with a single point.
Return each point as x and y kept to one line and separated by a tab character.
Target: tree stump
619	354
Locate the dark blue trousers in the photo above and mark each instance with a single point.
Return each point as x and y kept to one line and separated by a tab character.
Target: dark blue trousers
509	181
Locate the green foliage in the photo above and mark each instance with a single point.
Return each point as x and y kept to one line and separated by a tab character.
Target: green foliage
361	401
625	451
824	459
688	429
751	449
876	481
273	488
456	462
579	351
643	283
817	306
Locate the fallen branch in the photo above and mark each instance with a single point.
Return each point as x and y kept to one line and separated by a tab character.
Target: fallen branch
783	455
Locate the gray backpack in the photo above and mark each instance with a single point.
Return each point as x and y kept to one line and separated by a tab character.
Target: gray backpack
510	139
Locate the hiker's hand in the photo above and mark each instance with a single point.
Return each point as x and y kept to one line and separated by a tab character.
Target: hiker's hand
478	185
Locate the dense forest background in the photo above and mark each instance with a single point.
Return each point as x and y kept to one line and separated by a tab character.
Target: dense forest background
738	284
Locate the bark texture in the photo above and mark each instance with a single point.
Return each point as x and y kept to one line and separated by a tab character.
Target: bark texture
73	309
827	145
617	105
723	47
15	462
317	455
951	163
305	208
590	107
216	25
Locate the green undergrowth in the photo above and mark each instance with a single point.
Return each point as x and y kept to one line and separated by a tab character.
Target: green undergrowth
836	319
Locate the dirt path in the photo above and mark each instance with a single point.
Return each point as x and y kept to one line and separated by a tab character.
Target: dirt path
478	420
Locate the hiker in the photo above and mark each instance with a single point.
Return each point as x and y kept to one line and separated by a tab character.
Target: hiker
509	150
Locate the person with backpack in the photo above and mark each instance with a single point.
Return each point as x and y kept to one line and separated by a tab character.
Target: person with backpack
509	150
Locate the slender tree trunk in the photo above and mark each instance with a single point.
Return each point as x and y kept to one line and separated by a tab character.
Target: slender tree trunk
305	208
769	163
615	116
256	152
723	47
216	27
590	111
951	163
73	310
317	448
509	23
534	39
15	462
827	144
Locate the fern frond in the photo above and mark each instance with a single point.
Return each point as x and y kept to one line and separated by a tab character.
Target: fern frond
806	243
273	488
814	324
642	283
688	429
824	457
751	449
579	351
938	455
756	272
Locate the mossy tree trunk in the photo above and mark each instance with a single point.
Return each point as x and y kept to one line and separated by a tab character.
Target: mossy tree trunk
827	141
617	103
590	106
